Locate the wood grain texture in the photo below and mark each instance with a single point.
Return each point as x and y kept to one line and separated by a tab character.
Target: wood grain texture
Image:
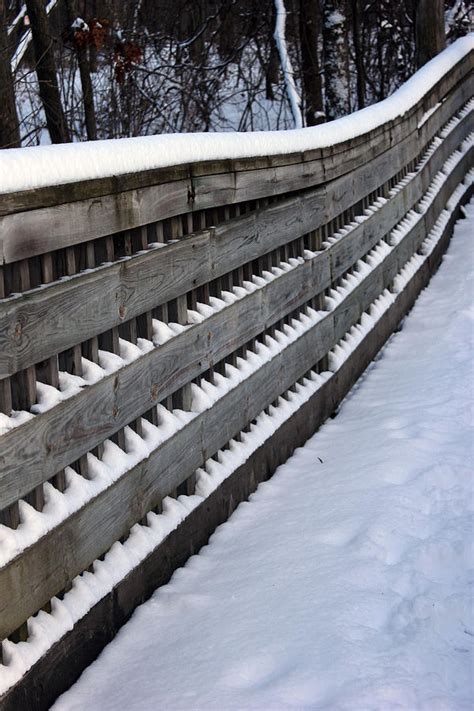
97	188
199	186
70	548
75	426
68	431
41	323
54	672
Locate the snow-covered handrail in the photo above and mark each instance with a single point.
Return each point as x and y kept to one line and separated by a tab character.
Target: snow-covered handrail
36	167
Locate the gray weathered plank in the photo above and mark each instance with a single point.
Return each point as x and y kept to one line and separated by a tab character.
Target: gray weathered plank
144	486
43	229
29	453
74	427
334	157
38	324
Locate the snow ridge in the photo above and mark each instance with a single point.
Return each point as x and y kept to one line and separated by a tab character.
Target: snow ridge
40	166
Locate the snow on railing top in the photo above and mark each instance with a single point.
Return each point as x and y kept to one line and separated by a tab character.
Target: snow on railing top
41	166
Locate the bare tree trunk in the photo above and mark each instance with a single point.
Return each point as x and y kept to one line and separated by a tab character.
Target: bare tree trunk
86	83
359	59
287	69
429	29
336	58
312	87
46	71
9	127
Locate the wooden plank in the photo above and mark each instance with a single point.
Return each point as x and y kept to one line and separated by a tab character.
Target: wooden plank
49	565
176	459
185	357
114	511
44	229
53	673
76	425
98	188
75	310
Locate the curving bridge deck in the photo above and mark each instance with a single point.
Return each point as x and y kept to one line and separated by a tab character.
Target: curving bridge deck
169	335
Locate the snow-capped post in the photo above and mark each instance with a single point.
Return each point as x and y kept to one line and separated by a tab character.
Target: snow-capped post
336	59
288	75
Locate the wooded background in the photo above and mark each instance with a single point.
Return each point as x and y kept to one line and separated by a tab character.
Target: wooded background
88	69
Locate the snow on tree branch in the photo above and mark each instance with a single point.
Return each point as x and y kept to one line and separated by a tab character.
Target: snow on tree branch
279	35
26	39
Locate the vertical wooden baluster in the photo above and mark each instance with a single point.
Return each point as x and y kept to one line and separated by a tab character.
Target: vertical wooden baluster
9	516
161	312
216	285
90	348
129	332
144	322
145	330
284	252
5	386
189	229
71	360
203	292
226	282
178	313
109	341
237	279
238	274
48	371
226	279
24	382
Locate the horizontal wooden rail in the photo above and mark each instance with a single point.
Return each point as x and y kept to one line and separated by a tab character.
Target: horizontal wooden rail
37	324
339	159
87	534
31	455
99	626
38	230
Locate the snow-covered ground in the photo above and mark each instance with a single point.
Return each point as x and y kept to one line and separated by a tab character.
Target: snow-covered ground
347	580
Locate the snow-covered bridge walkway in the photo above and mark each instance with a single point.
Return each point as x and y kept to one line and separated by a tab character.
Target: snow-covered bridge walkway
346	582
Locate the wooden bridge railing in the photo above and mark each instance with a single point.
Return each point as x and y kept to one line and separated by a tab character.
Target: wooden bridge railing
147	321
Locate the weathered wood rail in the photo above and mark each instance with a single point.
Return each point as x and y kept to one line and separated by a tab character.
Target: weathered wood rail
264	268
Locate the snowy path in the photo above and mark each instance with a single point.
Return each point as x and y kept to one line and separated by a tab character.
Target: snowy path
346	582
